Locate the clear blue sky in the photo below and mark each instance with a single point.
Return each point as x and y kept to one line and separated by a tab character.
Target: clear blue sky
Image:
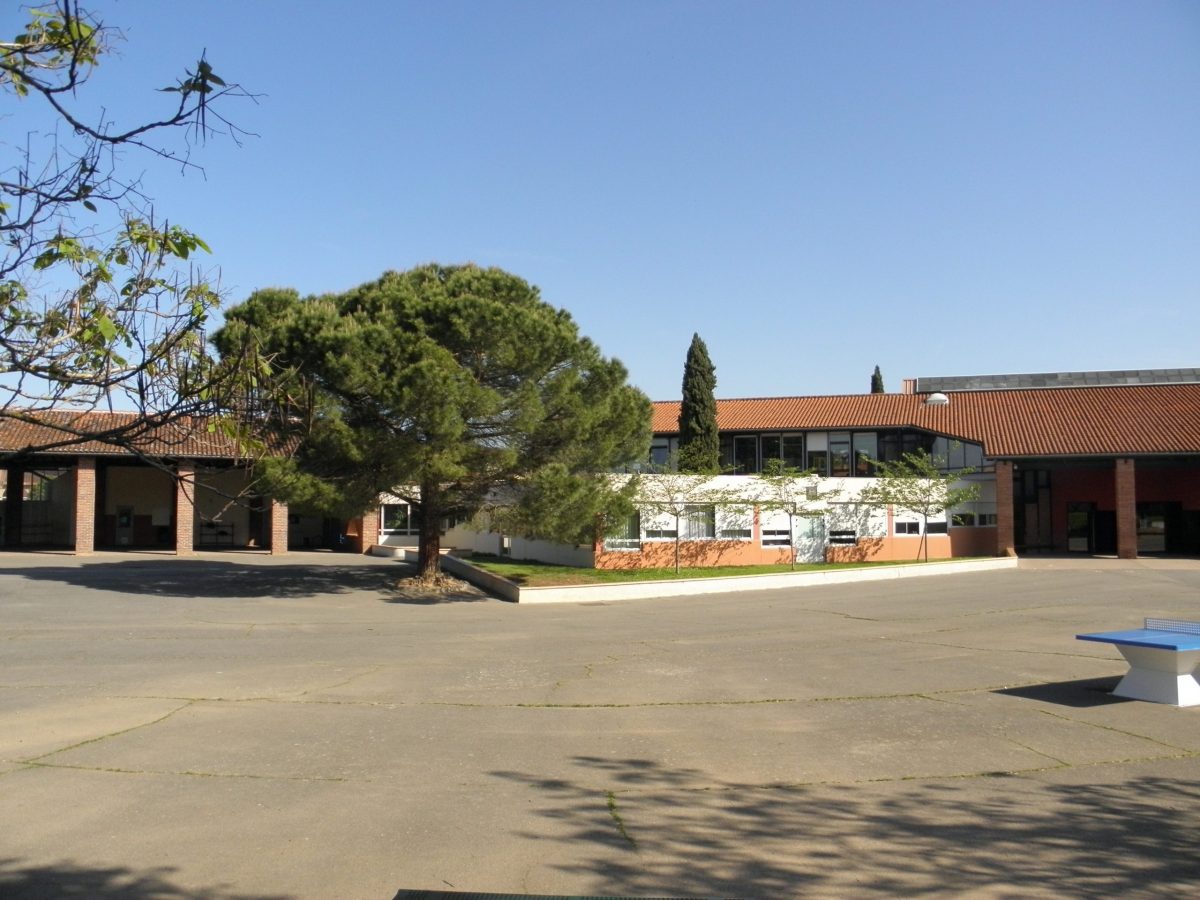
939	188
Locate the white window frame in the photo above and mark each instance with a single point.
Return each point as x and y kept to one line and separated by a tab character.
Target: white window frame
410	529
626	543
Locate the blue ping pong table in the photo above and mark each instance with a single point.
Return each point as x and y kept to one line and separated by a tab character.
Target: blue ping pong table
1163	659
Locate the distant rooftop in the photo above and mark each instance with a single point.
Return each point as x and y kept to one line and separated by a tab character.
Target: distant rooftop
1050	380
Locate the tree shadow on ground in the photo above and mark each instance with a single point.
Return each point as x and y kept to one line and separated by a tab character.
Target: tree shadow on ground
66	879
210	579
649	829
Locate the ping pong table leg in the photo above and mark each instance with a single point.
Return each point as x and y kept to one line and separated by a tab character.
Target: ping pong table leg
1160	676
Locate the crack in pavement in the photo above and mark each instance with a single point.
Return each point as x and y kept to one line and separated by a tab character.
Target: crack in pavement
105	737
116	770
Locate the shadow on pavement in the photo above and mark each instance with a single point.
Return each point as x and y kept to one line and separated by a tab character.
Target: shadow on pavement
204	578
1080	694
229	580
1001	835
67	879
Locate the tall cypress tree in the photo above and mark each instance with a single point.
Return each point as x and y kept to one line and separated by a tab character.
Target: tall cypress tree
699	448
877	382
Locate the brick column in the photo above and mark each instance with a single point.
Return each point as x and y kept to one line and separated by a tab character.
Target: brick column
368	529
1006	541
185	510
1126	489
85	506
279	527
15	481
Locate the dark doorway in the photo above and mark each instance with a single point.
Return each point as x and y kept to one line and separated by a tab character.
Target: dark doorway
1159	528
1104	525
1081	527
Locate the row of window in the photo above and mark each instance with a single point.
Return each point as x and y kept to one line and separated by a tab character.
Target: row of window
699	523
836	454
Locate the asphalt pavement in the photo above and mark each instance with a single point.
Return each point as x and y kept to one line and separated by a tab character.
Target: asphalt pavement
237	726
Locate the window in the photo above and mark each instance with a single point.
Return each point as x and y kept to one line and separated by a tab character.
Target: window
627	536
696	523
977	514
935	527
772	447
745	454
818	461
699	522
736	534
908	528
38	486
817	446
787	447
839	454
866	451
889	446
951	454
843	537
776	537
399	518
660	452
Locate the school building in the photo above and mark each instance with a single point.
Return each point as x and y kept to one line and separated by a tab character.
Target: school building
1091	463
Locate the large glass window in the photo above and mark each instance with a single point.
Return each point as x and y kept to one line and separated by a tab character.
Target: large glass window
839	454
866	451
793	450
787	447
745	453
772	448
818	452
951	454
400	518
726	450
889	446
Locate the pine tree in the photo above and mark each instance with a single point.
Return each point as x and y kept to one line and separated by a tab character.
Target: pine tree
877	382
699	447
456	389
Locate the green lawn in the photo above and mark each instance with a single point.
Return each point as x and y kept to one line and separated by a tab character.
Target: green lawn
536	574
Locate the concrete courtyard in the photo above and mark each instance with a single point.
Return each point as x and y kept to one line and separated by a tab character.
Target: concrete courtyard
241	726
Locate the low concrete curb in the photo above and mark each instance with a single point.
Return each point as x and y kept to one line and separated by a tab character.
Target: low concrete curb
644	590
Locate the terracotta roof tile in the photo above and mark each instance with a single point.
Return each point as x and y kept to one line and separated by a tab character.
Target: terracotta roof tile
1089	421
66	432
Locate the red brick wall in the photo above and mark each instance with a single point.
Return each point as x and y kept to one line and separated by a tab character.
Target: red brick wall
1126	497
368	530
85	506
1178	483
1006	539
185	510
279	527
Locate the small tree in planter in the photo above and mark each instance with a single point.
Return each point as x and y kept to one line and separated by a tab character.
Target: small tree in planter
685	498
792	491
914	483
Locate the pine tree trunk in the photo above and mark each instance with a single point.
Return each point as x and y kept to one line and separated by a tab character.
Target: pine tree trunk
429	542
